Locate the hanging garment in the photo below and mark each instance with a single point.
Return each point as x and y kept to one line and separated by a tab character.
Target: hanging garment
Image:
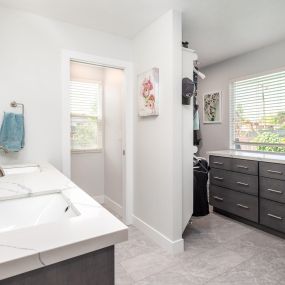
196	138
196	121
201	204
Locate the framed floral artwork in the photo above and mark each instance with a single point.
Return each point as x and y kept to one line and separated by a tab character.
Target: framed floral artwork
148	90
212	106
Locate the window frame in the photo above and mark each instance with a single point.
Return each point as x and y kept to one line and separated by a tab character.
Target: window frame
98	117
232	143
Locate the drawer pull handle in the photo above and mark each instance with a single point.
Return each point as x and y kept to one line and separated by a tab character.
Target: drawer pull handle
242	166
241	183
218	163
274	191
274	171
218	198
275	217
242	206
218	178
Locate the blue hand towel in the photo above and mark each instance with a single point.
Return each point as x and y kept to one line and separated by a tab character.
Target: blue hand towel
12	132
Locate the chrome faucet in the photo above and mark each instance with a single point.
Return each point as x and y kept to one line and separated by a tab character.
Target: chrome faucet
2	173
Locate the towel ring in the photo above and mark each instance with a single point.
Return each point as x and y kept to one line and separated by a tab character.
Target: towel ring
14	104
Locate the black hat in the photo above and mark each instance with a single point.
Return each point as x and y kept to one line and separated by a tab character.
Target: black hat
188	88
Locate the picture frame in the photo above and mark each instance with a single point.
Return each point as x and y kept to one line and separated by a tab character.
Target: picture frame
212	107
148	93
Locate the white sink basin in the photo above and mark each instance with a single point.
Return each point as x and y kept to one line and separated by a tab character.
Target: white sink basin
32	211
10	170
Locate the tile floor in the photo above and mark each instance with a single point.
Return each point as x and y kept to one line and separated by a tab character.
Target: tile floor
218	250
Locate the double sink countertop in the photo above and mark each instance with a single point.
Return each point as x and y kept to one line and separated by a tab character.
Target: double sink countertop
28	248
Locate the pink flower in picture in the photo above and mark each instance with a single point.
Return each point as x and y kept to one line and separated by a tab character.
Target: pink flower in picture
148	93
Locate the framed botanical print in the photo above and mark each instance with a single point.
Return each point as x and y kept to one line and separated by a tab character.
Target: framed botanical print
148	93
212	107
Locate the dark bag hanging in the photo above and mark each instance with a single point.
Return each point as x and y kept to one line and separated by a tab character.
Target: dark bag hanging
201	205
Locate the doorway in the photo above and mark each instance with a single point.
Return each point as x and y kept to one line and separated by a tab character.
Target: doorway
97	136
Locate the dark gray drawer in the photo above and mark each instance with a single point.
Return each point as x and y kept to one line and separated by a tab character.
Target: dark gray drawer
244	183
237	203
220	198
220	177
220	162
245	166
272	215
272	170
235	181
272	189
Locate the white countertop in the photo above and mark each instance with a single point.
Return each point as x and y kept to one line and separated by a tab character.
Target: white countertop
29	248
250	155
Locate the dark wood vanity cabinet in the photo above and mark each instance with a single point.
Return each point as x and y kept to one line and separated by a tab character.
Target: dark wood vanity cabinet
249	189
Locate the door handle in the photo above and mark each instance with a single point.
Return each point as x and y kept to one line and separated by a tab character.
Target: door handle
218	163
242	183
274	171
218	198
274	191
242	166
242	206
218	178
275	217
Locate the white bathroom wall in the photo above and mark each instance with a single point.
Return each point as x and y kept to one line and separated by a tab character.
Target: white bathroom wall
87	168
113	123
30	73
218	76
158	154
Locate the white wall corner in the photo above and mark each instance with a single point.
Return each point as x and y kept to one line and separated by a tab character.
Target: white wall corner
111	204
100	199
173	247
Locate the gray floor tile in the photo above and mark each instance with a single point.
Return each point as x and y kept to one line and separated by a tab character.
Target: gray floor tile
121	276
166	277
145	265
264	268
218	251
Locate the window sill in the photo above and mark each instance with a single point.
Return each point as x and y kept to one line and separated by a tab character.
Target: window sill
82	151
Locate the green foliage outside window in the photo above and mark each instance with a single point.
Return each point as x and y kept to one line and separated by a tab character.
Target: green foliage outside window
269	138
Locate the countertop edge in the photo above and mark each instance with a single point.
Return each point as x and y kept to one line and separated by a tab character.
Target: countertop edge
264	157
42	259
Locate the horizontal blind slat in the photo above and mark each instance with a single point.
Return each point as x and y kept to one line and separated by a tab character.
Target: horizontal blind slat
258	111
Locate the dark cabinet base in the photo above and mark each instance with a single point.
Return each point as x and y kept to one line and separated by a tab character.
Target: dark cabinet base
250	223
95	268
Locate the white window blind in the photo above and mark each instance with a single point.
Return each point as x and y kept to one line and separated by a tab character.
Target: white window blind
86	116
258	113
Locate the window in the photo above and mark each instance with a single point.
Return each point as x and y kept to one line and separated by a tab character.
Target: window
258	113
86	116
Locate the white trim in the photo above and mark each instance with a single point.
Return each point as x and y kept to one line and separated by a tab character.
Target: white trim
100	199
253	75
116	207
174	247
128	137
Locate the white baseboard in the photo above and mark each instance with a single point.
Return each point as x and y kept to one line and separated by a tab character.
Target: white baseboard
117	208
173	247
100	199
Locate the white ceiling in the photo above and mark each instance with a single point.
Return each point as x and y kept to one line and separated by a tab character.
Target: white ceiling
217	29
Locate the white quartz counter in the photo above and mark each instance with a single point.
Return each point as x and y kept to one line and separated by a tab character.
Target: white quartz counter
32	247
250	155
